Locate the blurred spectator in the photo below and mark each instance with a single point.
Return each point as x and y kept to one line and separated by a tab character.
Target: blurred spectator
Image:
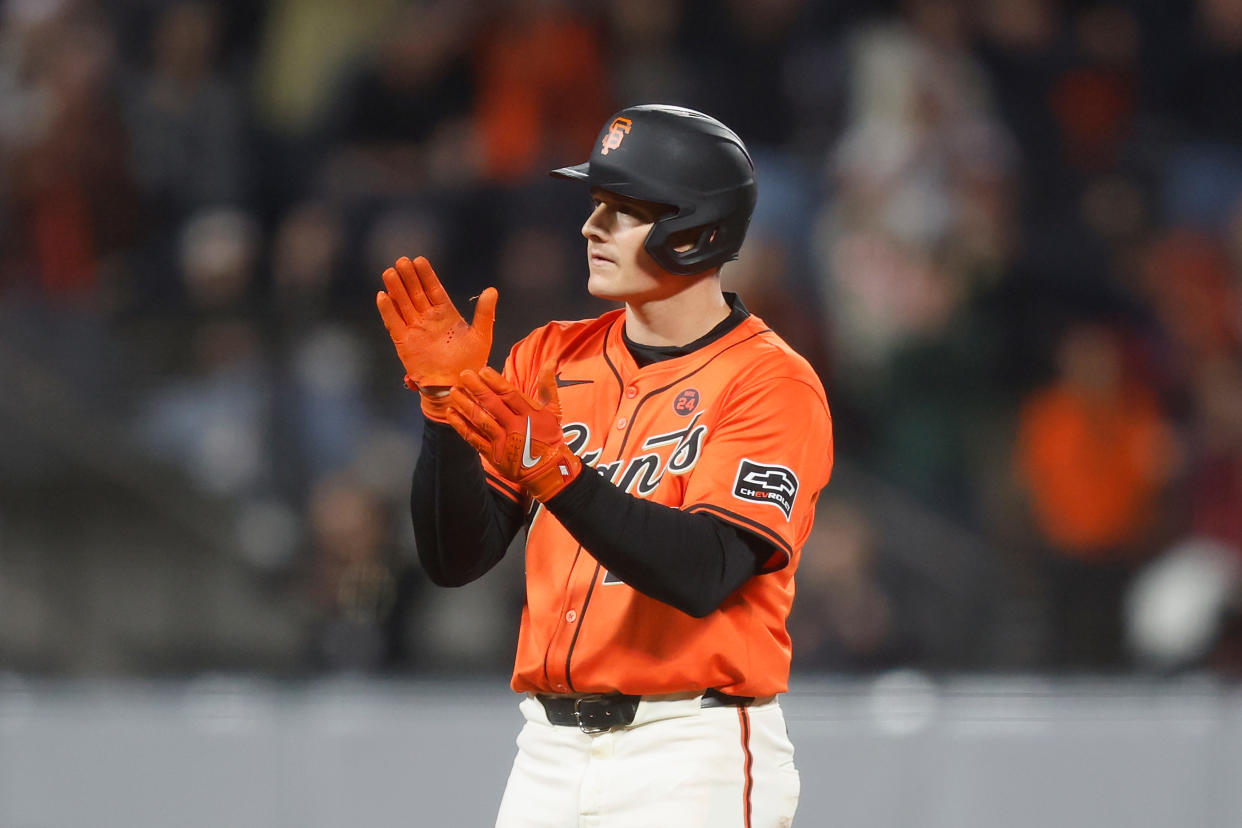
213	417
1066	88
213	421
844	618
645	62
1202	91
1094	98
1216	487
328	409
401	121
308	252
1182	609
360	588
542	88
322	381
218	255
70	192
1216	492
306	47
403	231
1192	288
739	50
1020	45
537	267
1186	608
919	143
185	119
919	226
1198	102
1094	455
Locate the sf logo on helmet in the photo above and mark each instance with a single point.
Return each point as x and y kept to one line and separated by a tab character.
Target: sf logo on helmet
616	134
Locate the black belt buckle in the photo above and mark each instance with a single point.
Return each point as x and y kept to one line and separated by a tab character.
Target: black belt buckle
600	712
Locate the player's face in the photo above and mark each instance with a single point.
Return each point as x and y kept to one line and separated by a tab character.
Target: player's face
620	269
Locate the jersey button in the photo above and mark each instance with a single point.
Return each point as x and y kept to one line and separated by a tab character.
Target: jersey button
621	422
571	616
631	392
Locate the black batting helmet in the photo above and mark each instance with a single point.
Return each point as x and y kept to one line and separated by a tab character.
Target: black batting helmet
686	160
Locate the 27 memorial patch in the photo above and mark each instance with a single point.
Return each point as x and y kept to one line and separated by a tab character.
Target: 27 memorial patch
776	485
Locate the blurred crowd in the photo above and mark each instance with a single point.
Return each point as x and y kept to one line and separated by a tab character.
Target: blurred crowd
1008	235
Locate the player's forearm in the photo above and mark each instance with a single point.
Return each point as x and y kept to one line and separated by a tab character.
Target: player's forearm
690	561
460	527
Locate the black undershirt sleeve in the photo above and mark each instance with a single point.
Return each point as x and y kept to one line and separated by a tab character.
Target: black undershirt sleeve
692	562
461	525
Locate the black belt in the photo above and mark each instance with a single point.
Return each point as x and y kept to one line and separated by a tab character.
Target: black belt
604	711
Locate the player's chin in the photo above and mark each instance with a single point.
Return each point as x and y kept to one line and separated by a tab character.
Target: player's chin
605	286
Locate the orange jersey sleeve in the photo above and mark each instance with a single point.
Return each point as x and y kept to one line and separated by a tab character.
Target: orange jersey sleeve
765	462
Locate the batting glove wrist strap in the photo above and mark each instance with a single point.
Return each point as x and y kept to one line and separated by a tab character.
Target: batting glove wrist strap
434	401
558	469
521	437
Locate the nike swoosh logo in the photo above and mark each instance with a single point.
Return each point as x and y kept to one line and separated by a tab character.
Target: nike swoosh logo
527	460
564	383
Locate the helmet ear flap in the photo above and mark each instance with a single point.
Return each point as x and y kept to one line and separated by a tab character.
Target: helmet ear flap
692	238
688	250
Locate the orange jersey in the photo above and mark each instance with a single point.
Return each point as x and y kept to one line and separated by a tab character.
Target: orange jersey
739	430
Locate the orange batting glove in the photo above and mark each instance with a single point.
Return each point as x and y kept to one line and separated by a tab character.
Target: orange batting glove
432	339
521	437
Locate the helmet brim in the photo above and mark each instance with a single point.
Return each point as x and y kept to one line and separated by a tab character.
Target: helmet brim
578	172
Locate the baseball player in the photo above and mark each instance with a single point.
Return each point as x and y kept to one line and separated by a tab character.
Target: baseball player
665	459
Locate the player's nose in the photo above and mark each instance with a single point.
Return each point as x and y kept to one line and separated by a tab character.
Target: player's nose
595	226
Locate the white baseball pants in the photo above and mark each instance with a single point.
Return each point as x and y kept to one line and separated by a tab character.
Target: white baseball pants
678	765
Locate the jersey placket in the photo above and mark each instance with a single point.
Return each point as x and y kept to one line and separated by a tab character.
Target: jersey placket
585	571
